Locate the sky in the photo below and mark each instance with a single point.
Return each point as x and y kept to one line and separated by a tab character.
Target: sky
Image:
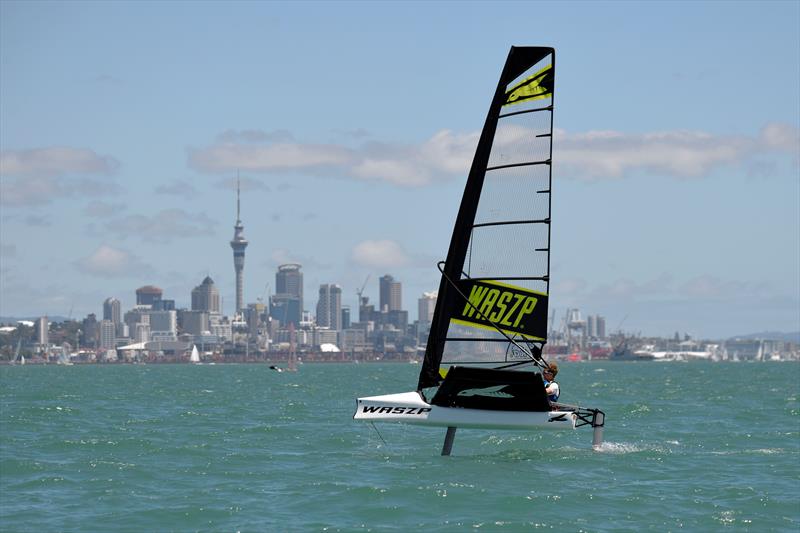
352	125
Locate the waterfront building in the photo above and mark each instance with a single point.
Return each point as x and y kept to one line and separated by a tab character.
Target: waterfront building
205	297
320	336
108	334
426	306
391	297
238	243
601	327
329	307
148	295
141	332
353	340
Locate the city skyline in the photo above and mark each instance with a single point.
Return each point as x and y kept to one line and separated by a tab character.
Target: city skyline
675	202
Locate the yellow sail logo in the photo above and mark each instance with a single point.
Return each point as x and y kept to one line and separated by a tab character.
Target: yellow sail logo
492	305
535	87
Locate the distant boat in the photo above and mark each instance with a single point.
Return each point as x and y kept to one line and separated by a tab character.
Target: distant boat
195	357
63	358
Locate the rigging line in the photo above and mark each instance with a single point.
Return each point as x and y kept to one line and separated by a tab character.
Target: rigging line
379	433
538	361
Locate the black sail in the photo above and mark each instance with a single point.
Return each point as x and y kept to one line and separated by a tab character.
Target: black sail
496	277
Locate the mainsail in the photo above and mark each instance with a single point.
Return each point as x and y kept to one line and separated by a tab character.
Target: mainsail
492	304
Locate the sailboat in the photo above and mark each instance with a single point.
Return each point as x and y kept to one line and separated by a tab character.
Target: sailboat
195	356
483	360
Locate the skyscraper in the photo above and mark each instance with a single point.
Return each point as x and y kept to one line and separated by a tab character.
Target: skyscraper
289	280
148	295
287	302
391	298
601	327
329	307
205	297
107	334
426	306
42	332
112	310
239	243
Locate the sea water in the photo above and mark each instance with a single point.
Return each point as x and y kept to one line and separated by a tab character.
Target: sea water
688	446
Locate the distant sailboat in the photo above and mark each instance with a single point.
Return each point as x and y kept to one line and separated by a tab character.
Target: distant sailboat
63	357
195	357
291	364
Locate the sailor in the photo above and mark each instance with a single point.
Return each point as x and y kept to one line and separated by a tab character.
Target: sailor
550	386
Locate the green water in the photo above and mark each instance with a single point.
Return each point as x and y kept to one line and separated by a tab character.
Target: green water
692	447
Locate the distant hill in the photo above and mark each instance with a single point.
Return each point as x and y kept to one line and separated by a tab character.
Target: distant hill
772	336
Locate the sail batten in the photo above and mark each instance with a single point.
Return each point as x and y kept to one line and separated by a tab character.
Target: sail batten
502	231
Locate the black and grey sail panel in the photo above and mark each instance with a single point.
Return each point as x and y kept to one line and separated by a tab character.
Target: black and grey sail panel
496	276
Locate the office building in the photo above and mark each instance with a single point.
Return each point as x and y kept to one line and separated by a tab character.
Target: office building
329	307
163	325
42	332
108	334
112	310
391	298
591	326
426	307
286	305
289	280
194	322
205	297
148	295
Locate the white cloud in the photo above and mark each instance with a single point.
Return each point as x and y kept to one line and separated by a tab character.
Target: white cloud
783	137
164	226
681	154
600	154
380	254
55	161
441	157
109	262
38	176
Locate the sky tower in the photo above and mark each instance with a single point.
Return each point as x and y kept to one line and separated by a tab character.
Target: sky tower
239	243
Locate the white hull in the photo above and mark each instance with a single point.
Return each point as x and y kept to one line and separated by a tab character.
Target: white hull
410	408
